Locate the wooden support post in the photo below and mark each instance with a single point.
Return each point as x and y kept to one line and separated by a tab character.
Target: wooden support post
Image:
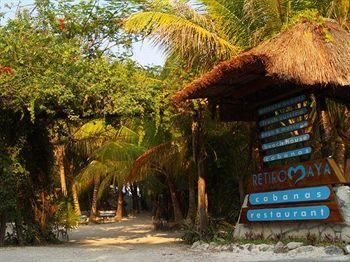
324	126
347	169
199	155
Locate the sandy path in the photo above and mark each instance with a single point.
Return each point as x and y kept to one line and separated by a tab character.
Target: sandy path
134	240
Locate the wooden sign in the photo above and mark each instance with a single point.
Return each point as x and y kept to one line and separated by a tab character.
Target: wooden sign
286	141
287	154
282	117
312	173
306	194
297	192
282	104
284	129
312	212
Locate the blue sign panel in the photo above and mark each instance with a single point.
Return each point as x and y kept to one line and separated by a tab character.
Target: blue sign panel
288	154
282	104
289	213
284	129
290	196
286	142
281	117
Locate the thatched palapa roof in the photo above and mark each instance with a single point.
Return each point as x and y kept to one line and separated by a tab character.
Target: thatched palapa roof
307	57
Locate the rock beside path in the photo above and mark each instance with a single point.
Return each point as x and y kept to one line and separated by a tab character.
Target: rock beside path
294	248
304	249
333	250
347	249
294	245
280	248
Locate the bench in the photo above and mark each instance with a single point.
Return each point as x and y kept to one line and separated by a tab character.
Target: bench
83	219
106	214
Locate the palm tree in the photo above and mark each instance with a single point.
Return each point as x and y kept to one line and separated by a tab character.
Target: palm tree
110	163
186	32
118	157
92	174
208	31
212	30
166	159
83	143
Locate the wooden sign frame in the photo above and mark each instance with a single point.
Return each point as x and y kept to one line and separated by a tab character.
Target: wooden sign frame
318	172
335	214
300	192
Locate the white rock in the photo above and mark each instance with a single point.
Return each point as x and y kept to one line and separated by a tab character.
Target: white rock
265	247
303	249
294	245
203	246
249	247
240	247
347	249
196	244
343	195
225	248
333	250
213	245
232	247
280	248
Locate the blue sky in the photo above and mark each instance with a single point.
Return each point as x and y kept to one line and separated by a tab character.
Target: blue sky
143	52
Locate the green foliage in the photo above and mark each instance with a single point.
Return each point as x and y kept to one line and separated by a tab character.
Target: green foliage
65	215
207	31
182	32
219	232
53	77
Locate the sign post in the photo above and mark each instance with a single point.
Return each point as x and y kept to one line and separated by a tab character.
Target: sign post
298	191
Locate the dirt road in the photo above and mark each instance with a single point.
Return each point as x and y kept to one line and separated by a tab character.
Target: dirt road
134	240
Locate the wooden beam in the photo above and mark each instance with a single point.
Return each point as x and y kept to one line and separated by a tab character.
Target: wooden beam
272	99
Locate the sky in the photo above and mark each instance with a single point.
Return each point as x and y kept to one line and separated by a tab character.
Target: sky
143	52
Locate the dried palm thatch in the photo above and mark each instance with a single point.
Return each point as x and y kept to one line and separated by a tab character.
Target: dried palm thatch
309	56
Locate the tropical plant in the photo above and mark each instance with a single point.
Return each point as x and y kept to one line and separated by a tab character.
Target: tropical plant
208	31
166	159
183	32
110	164
340	120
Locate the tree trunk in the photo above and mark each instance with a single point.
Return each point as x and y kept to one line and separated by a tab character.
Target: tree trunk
241	190
199	156
93	214
156	208
339	153
119	212
59	154
135	199
191	213
19	232
2	228
76	199
324	126
175	202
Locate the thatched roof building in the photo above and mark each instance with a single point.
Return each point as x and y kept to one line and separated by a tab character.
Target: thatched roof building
308	57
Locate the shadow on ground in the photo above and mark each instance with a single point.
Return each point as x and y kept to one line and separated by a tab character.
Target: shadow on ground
128	232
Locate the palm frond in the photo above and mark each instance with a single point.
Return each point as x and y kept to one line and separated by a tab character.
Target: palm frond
229	19
90	172
117	151
165	158
182	36
105	184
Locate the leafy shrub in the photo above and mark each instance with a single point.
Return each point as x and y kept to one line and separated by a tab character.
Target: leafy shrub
65	216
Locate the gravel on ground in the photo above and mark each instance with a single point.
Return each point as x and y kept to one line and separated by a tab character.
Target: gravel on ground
134	239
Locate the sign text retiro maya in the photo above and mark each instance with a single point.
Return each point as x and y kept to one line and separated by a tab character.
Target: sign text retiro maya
294	173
